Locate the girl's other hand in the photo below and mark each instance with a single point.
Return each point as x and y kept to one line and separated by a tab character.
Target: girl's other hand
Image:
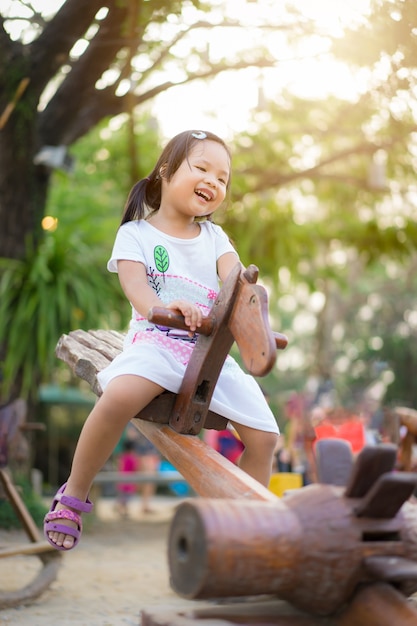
192	314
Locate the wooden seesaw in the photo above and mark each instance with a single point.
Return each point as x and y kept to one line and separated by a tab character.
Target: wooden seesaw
342	556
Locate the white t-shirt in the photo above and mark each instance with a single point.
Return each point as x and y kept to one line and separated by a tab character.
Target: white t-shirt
183	269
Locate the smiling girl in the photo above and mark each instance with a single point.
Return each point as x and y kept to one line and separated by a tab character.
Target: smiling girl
167	253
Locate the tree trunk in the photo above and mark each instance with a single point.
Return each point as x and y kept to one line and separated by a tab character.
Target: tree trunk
23	185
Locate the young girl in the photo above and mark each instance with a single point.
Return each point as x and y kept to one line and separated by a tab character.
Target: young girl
167	253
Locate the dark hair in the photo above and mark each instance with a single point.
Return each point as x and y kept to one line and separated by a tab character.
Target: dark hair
145	195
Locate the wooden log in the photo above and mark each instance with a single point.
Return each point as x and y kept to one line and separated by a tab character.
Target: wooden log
85	362
227	548
20	509
267	612
51	559
34	589
378	604
26	549
207	472
310	550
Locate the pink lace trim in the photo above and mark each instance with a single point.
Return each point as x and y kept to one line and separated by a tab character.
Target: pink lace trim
180	350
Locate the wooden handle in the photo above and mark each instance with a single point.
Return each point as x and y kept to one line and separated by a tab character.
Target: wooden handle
173	319
281	341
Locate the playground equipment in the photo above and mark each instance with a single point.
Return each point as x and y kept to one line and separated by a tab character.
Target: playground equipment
314	548
343	554
407	418
12	419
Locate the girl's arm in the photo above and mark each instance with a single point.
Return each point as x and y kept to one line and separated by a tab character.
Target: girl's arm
226	263
132	276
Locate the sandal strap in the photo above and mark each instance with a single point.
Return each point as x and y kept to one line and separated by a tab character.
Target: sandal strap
64	530
65	514
74	503
51	525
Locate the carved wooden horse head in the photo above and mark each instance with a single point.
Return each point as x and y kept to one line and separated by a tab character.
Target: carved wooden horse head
240	313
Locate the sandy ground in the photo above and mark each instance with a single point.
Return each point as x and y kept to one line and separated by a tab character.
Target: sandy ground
119	568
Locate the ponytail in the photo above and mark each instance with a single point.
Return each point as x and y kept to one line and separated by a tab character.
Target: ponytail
144	196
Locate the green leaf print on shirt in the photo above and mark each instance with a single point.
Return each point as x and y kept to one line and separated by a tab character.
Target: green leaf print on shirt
161	257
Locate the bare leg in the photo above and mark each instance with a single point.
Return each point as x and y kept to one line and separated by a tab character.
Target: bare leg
257	457
149	463
123	398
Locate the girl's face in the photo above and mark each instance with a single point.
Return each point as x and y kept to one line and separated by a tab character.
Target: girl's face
198	187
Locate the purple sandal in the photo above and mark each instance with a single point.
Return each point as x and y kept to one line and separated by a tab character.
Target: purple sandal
50	525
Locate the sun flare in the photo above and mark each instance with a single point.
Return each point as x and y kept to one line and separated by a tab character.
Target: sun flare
225	103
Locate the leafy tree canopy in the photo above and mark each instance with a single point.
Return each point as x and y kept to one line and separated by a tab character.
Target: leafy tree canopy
323	189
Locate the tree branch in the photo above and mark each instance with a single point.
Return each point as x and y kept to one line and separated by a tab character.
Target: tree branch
105	103
50	51
65	119
78	89
271	179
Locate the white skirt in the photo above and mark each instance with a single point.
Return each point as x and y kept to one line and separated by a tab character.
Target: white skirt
237	396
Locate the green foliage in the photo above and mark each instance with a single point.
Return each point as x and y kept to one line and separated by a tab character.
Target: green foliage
90	201
56	288
35	506
381	331
389	30
301	186
64	284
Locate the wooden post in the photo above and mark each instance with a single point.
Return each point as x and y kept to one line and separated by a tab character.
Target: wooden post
19	507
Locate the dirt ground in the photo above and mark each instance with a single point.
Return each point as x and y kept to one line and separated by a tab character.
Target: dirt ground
119	568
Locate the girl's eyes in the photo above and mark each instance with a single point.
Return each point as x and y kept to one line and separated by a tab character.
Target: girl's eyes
203	169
